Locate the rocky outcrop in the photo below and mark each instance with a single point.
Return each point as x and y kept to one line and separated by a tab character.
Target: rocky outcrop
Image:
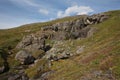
78	28
33	47
32	42
57	53
73	26
61	50
24	57
74	29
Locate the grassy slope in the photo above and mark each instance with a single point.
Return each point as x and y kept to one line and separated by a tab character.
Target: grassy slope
101	52
10	37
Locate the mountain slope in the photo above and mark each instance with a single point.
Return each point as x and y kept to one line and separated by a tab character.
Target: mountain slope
99	59
101	56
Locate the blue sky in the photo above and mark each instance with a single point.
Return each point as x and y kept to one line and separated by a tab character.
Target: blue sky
14	13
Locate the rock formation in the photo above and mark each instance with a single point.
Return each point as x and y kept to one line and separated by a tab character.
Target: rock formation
24	57
79	28
61	31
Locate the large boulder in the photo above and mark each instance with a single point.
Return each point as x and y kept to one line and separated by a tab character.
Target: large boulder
24	57
26	41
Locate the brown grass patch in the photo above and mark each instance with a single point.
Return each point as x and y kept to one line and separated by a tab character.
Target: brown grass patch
106	63
89	58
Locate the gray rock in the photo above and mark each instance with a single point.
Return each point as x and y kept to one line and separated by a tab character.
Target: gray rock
57	52
32	42
24	57
45	75
26	41
15	77
80	49
74	29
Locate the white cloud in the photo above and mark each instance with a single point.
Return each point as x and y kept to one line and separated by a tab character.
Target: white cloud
43	11
60	13
25	2
77	10
29	2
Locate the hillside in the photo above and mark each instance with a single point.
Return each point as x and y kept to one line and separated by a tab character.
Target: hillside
87	52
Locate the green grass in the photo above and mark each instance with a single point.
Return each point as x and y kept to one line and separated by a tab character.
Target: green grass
34	72
38	54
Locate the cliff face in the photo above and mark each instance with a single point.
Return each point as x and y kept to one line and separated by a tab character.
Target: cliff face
82	48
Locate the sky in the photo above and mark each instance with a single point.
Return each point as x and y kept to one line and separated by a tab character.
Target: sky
14	13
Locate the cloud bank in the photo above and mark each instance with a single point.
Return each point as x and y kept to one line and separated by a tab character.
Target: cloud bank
75	10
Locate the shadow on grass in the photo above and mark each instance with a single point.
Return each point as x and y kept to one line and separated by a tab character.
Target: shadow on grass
4	56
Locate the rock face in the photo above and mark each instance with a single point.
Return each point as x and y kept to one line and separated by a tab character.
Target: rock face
24	57
32	43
